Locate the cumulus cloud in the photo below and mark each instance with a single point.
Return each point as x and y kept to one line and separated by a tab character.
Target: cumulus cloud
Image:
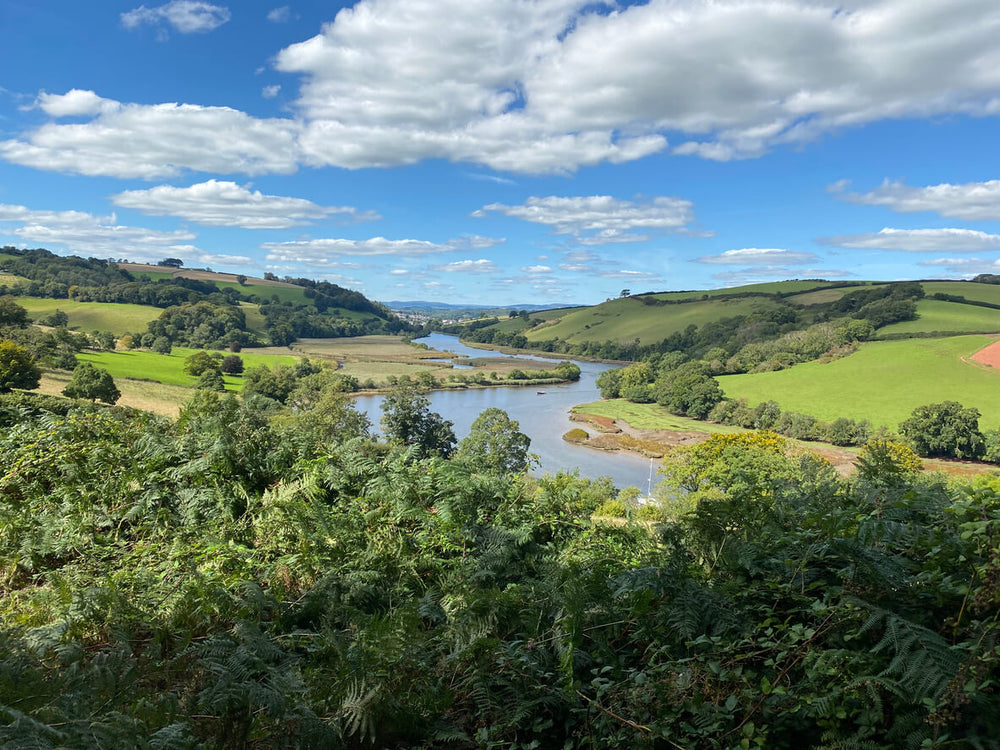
226	204
158	141
468	266
550	87
918	240
74	103
318	252
85	234
536	269
600	219
972	201
752	256
269	92
185	16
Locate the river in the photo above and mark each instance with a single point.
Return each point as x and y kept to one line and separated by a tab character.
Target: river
542	417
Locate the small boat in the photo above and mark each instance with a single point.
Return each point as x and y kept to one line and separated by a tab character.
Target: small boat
540	393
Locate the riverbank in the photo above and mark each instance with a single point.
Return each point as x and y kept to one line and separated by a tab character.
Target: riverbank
663	432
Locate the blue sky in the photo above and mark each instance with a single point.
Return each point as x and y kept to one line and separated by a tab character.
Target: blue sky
508	151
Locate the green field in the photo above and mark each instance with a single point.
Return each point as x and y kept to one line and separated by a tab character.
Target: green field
819	296
769	287
968	289
169	368
627	319
882	382
93	316
938	316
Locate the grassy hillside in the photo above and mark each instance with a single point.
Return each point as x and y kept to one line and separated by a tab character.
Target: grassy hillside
629	319
938	316
169	368
93	316
883	382
770	287
969	289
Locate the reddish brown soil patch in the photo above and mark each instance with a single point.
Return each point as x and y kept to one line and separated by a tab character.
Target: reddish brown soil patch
989	355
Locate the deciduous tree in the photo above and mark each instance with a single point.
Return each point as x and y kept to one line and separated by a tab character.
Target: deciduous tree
92	383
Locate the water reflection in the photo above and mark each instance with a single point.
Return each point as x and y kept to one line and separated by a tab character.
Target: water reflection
544	418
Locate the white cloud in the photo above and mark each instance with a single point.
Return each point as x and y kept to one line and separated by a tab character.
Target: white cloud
317	252
758	256
918	240
970	201
280	15
540	87
965	267
468	266
549	87
75	102
226	204
269	92
162	140
185	16
85	234
600	219
536	269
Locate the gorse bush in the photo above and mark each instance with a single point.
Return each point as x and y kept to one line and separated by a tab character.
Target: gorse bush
241	578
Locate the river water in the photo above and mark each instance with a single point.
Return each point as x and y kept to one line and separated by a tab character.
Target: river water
542	417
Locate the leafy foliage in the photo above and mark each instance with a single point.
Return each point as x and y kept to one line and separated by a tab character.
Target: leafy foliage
17	368
92	383
946	429
235	580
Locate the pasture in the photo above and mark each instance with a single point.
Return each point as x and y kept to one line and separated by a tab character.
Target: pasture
882	382
769	287
938	316
168	369
93	316
628	319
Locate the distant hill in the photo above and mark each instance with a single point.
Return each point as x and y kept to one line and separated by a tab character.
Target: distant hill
730	318
189	306
457	312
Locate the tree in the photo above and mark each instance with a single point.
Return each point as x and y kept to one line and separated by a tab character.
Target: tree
104	340
276	384
161	345
946	429
92	383
495	444
408	420
17	368
211	380
55	319
232	365
200	362
12	314
171	262
688	390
